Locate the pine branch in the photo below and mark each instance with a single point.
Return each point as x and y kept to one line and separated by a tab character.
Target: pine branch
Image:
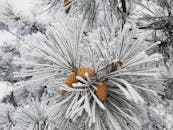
123	2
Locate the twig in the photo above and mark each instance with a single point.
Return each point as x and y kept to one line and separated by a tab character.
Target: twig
124	6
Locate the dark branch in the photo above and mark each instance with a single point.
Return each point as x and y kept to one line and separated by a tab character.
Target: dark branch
123	5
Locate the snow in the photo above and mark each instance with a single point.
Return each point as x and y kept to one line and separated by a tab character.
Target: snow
24	6
5	37
5	88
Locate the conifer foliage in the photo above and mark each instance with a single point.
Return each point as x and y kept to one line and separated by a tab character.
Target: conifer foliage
87	65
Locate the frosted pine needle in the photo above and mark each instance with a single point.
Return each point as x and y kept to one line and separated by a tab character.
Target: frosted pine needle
121	64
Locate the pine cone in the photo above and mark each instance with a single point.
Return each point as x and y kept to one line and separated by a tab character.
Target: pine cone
102	91
69	81
81	72
50	62
118	65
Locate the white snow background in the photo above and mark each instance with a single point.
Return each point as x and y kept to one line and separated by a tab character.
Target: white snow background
24	6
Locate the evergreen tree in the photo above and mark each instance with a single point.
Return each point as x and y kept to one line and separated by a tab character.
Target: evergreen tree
88	65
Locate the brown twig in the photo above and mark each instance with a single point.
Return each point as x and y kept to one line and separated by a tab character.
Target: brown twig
67	6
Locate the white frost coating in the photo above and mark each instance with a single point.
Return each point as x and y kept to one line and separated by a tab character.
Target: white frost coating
5	89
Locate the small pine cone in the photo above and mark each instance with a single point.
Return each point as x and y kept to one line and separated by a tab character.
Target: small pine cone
102	91
69	81
50	62
118	65
81	72
67	6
